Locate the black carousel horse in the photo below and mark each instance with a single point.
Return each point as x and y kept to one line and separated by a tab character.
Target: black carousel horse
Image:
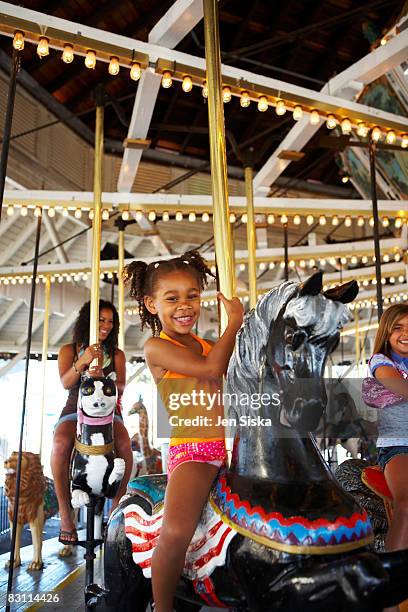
278	531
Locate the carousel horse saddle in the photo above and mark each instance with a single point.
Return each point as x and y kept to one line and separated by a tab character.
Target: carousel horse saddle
373	477
143	518
264	512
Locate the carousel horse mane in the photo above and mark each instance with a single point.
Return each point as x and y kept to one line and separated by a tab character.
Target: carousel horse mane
321	314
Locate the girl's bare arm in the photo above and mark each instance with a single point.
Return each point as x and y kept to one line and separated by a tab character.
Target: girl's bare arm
120	369
392	380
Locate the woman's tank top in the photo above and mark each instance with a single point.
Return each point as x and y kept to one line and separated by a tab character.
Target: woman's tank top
167	386
72	399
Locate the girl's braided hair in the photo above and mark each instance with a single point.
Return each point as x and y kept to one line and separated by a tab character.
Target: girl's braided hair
143	280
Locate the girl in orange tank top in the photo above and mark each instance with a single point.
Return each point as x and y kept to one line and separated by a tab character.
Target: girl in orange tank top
187	371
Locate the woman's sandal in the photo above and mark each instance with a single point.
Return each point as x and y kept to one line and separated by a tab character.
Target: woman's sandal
68	537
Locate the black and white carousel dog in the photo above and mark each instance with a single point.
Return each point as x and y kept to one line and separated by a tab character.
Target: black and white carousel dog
95	470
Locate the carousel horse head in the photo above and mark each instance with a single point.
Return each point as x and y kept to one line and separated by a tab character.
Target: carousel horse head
284	345
97	396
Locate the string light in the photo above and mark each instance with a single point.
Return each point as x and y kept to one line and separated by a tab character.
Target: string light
398	222
391	137
105	214
401	278
312	263
270	219
314	118
114	66
10	210
376	134
346	126
90	214
37	211
345	178
362	129
263	104
18	40
343	260
385	221
271	265
65	212
204	90
242	267
167	80
152	215
297	113
138	215
51	212
232	218
302	263
397	257
296	220
244	218
245	100
135	71
371	221
331	122
360	221
280	108
292	263
68	54
310	219
192	217
404	141
322	220
335	220
353	260
179	216
78	213
23	211
364	259
125	215
187	84
90	60
386	258
205	217
347	221
226	95
262	266
43	48
283	219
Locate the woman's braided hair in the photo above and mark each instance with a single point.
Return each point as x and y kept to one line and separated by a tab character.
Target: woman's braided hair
143	280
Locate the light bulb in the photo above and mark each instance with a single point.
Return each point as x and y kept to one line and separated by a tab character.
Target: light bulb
397	257
322	220
138	215
91	214
360	221
280	108
37	211
263	104
135	71
296	220
312	263
376	134
167	81
362	129
386	222
346	126
226	94
187	84
345	178
271	219
78	213
262	266
51	212
271	265
114	66
204	91
314	117
323	262
386	258
232	218
42	48
18	40
292	263
105	214
335	220
10	210
245	100
283	219
65	212
241	267
331	122
347	221
244	218
192	217
302	263
343	260
152	215
391	137
398	222
90	59
165	216
310	219
401	278
68	54
205	217
354	260
179	216
23	211
125	215
297	113
404	141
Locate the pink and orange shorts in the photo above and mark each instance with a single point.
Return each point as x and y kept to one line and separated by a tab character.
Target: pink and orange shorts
211	451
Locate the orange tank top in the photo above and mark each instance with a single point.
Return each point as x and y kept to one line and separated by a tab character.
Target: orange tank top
210	431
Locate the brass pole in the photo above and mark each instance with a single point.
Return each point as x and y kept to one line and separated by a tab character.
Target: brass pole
251	235
121	286
97	219
47	295
222	230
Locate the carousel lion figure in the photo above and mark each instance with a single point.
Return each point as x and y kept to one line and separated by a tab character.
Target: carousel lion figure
37	503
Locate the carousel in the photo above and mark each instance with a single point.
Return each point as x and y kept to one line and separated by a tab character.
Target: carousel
273	140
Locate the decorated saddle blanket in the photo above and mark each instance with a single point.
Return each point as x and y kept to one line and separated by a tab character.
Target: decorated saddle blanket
207	549
294	534
373	477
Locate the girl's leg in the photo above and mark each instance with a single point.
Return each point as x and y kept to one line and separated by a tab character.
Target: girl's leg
186	493
123	450
60	458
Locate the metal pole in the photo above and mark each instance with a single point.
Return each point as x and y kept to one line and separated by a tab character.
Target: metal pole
97	219
23	412
8	120
222	230
251	235
121	285
371	150
285	249
47	294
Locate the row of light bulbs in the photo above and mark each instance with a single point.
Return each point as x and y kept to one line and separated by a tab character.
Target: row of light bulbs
263	103
68	55
205	217
54	278
398	297
322	262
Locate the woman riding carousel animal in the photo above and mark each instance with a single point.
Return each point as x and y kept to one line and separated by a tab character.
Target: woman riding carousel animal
73	361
